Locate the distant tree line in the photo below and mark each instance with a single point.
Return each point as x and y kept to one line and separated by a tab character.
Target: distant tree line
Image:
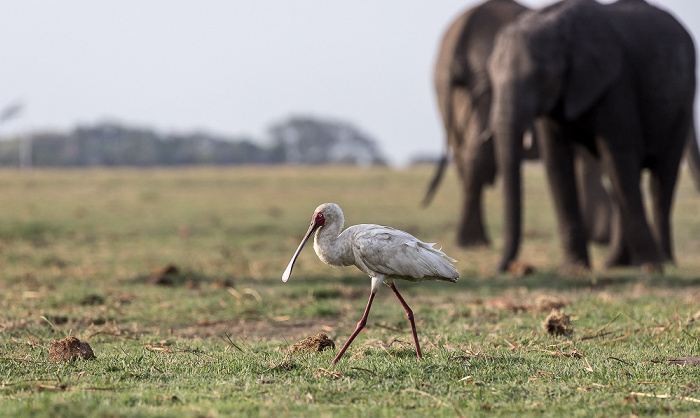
298	140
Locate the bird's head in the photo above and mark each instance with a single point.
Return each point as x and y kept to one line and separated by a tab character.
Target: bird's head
326	212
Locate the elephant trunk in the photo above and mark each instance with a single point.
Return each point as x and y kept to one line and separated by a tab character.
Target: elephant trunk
508	136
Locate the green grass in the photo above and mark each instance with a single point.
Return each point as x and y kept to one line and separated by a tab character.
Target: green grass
77	247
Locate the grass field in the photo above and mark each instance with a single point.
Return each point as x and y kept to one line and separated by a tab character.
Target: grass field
78	247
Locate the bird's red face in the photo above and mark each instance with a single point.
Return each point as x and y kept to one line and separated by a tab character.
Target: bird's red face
318	219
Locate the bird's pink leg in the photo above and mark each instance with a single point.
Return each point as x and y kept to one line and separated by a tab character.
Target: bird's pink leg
359	327
409	315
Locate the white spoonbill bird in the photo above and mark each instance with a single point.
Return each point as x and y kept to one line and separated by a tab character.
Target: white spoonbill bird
384	253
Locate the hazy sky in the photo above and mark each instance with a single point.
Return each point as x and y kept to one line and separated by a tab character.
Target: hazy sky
234	67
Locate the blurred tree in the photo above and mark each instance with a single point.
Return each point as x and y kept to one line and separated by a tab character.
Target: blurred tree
305	140
111	144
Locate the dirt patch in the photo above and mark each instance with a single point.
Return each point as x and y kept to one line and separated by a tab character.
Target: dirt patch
543	303
192	285
503	304
558	323
694	318
162	276
92	300
520	269
652	268
69	349
318	342
481	356
258	330
221	284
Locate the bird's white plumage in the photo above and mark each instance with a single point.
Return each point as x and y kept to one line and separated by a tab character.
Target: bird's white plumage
382	252
398	254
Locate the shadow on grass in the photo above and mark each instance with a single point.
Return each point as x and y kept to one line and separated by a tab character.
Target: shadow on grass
357	286
36	232
497	284
170	276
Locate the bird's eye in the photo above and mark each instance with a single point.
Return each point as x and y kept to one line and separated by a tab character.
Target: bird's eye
320	218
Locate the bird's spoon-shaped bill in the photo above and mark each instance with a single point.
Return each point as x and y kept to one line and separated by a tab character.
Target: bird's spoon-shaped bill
288	270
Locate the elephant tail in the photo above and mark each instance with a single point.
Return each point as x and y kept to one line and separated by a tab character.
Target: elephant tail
435	182
448	121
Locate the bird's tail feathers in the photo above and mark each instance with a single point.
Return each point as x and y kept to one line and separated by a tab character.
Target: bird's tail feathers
439	266
430	246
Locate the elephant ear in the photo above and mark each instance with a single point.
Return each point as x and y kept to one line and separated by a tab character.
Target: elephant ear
595	64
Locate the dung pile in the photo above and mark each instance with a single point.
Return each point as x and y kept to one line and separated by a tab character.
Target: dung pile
318	342
546	303
163	276
69	349
558	323
520	269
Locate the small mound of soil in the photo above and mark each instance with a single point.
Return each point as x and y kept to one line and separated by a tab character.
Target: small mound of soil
318	342
221	284
162	276
520	269
69	349
558	323
92	300
576	270
545	303
652	268
503	304
191	284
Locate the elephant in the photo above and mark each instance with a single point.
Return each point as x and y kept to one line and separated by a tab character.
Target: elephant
463	91
693	156
618	79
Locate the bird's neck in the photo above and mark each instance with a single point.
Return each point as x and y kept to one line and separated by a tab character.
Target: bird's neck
331	247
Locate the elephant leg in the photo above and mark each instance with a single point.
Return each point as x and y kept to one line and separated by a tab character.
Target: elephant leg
596	206
619	255
624	169
662	188
662	185
558	155
693	156
477	170
471	231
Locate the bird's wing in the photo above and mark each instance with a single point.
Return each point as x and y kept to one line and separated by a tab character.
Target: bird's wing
388	251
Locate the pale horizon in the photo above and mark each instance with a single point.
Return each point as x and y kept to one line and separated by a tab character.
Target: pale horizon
233	68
